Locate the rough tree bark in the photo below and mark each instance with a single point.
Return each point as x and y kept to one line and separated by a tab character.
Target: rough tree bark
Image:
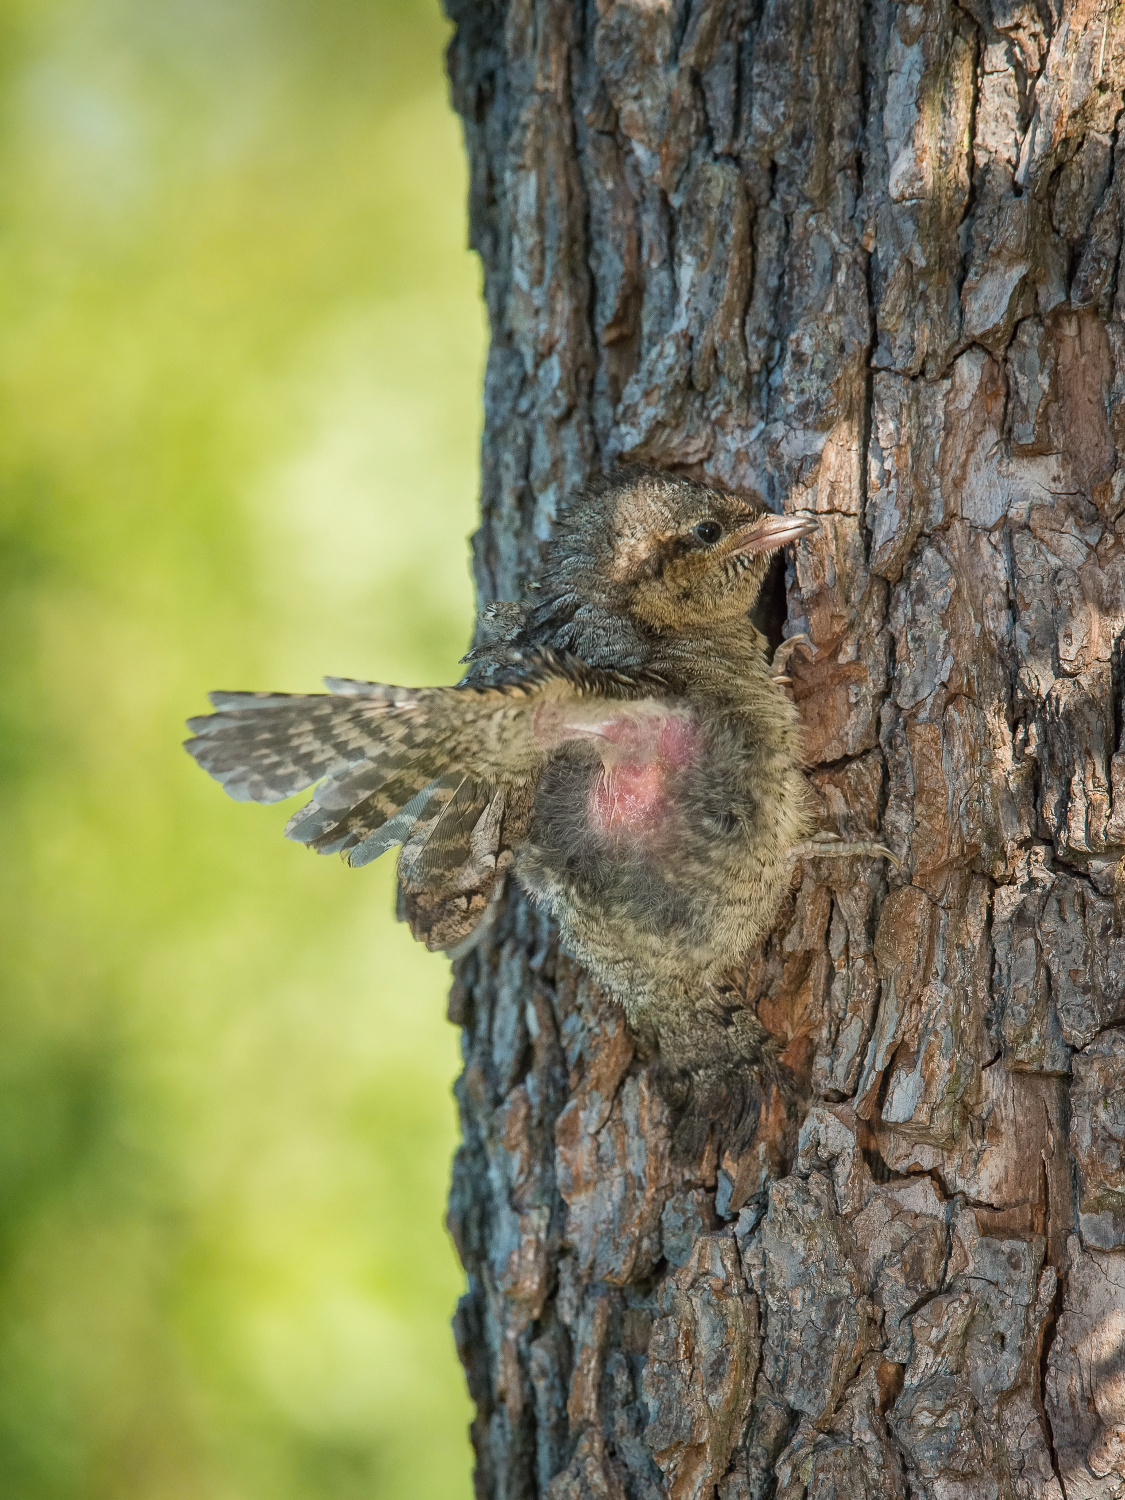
864	257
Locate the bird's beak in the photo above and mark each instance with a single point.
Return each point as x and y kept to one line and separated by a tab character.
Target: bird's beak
768	533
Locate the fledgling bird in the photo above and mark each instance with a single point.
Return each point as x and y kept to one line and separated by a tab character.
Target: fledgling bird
619	742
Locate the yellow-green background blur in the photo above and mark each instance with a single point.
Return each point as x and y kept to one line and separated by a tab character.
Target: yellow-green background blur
240	354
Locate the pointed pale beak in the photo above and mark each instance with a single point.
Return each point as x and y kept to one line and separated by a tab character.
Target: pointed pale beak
768	533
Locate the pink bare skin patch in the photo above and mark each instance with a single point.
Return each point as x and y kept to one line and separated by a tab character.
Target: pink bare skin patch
631	794
628	799
640	744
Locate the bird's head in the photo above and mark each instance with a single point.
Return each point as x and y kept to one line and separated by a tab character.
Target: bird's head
670	553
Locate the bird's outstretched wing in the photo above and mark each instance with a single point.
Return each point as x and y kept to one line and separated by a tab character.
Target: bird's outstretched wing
446	772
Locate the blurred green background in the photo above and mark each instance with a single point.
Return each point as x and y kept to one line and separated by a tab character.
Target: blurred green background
241	344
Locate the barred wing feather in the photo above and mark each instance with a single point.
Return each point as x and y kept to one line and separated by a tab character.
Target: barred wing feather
446	772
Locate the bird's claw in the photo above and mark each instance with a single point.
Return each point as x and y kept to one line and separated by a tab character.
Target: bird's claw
786	650
832	846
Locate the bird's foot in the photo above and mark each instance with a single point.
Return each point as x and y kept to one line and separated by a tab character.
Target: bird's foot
832	846
784	652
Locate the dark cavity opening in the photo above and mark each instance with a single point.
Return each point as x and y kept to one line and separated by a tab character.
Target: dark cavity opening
772	610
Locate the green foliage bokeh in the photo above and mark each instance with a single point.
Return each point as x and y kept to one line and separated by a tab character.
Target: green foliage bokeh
240	353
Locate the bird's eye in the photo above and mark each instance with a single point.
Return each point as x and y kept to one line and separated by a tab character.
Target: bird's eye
707	532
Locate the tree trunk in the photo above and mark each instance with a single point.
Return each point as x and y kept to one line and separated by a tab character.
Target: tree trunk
863	257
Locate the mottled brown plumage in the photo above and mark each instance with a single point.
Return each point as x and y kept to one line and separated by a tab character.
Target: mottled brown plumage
619	740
